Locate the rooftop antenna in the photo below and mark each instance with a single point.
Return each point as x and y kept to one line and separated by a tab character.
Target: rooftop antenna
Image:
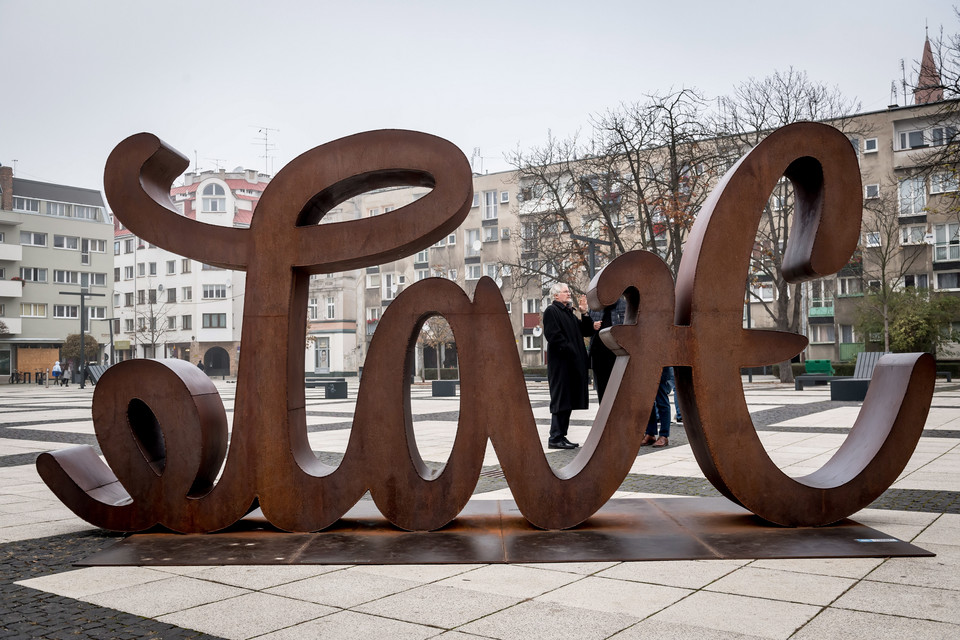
476	154
15	166
218	162
893	93
267	147
903	80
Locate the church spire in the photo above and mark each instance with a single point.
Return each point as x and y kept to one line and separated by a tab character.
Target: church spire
929	87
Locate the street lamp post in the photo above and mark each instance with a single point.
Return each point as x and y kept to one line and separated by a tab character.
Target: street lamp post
592	244
83	324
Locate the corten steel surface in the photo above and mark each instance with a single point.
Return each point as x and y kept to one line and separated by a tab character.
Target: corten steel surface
161	427
488	531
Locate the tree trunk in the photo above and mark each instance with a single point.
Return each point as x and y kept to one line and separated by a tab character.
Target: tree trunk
786	371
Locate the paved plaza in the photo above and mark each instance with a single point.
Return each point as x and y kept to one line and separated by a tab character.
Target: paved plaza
45	596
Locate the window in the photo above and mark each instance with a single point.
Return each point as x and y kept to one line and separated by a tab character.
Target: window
761	291
171	267
912	234
849	286
66	242
871	191
98	279
33	239
141	269
946	242
142	324
26	204
128	325
472	237
186	322
948	280
917	281
452	274
66	277
96	246
212	203
846	334
97	313
423	256
504	197
490	270
185	265
57	209
822	333
911	139
373	212
870	145
509	307
116	274
474	272
942	135
116	248
152	296
373	314
214	291
532	342
442	242
116	299
186	294
214	321
491	234
33	310
33	274
391	285
331	308
128	245
871	239
86	212
128	299
313	309
476	200
172	294
531	305
489	205
171	322
153	268
505	270
128	272
944	182
373	281
66	311
421	274
452	238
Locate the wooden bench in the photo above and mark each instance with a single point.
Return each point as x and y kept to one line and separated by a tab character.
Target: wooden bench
945	374
854	388
333	388
444	388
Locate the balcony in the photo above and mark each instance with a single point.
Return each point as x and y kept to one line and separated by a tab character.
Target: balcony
12	252
821	308
11	289
14	325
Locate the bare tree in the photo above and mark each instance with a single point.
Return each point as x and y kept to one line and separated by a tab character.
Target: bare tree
890	254
754	110
668	158
151	323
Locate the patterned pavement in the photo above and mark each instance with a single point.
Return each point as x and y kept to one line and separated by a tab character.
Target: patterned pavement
43	596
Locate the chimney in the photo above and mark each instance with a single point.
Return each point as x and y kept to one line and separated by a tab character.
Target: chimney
6	187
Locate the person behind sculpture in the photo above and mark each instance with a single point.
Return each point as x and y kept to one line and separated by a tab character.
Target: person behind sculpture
67	375
55	372
601	358
567	361
660	413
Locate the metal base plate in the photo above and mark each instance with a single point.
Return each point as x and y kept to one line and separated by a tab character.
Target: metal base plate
489	531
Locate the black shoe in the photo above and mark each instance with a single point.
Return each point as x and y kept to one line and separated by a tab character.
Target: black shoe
679	420
572	444
562	443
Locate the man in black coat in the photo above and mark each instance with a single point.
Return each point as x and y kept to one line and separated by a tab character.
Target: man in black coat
567	362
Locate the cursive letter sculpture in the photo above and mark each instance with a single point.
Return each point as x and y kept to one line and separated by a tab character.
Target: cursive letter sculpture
166	441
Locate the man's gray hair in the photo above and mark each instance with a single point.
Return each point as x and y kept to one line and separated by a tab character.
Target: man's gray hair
555	289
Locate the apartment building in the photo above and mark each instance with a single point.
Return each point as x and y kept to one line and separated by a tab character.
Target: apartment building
168	306
54	242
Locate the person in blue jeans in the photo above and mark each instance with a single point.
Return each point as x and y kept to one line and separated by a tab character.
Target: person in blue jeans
660	415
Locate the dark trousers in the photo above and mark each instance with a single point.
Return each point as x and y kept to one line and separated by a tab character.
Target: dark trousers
559	422
661	406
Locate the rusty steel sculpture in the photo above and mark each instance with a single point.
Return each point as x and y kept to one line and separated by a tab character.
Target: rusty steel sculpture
163	431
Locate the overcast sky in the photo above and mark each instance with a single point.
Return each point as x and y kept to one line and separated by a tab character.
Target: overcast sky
208	75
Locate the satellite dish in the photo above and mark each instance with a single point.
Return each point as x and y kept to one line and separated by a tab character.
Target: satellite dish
537	332
499	282
476	245
160	288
